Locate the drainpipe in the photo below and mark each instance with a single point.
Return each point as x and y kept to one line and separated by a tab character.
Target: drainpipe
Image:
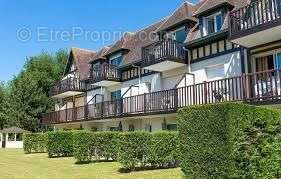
189	66
139	69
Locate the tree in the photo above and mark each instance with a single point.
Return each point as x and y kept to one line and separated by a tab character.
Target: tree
3	104
28	95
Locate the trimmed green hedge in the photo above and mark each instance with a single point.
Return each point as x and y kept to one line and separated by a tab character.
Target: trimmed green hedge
230	141
143	149
98	145
60	144
34	142
82	142
105	145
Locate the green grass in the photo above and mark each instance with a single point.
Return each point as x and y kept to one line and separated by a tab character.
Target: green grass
16	164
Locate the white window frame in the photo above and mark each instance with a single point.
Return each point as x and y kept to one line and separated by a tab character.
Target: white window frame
205	23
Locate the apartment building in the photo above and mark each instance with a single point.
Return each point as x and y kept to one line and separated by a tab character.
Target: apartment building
213	51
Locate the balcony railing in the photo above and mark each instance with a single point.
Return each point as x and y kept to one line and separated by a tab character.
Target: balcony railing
106	72
163	50
68	84
259	14
261	87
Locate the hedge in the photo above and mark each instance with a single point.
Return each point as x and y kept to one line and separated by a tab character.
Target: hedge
105	145
230	141
98	146
143	149
34	142
60	143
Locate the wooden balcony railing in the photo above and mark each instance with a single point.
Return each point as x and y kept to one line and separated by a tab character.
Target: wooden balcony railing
258	13
106	72
255	87
161	51
69	84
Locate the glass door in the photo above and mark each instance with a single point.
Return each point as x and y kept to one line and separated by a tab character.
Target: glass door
278	61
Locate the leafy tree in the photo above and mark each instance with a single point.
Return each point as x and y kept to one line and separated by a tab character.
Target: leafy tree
28	95
3	104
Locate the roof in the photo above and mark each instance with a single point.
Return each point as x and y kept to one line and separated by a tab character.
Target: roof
13	130
207	5
120	44
100	55
82	57
184	12
139	40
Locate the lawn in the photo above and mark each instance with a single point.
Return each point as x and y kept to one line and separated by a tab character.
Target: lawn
16	164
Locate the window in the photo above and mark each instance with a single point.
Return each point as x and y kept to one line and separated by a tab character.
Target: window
215	72
116	95
171	127
116	61
278	61
96	66
212	24
18	137
11	137
178	35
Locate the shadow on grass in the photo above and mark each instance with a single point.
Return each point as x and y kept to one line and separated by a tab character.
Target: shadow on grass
138	169
34	153
94	161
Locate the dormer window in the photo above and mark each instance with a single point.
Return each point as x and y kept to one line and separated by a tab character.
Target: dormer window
116	60
212	24
178	35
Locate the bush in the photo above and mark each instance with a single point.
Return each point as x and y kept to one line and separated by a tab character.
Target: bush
229	141
34	142
60	144
82	143
105	145
143	149
163	149
133	149
101	145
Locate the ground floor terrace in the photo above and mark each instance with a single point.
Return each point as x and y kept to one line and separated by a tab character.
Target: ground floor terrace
262	87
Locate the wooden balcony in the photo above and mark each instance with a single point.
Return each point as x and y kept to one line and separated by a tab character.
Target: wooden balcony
163	55
262	88
68	87
106	75
256	24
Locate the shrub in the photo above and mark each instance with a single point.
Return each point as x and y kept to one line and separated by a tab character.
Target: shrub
229	141
34	142
105	145
60	144
163	149
133	149
82	143
101	145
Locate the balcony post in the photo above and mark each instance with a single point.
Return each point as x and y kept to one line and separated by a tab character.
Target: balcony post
144	102
176	98
205	92
86	111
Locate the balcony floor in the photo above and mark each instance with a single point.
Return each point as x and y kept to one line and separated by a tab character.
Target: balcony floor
257	36
164	66
106	83
67	94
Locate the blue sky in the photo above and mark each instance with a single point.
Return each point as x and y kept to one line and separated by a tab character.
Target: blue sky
28	27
